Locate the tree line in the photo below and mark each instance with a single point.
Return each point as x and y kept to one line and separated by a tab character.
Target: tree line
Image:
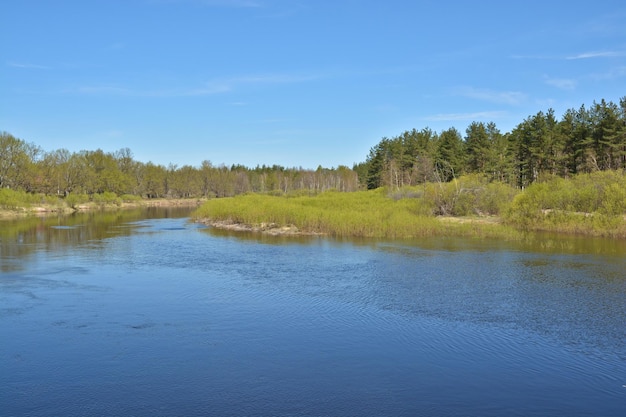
25	166
582	141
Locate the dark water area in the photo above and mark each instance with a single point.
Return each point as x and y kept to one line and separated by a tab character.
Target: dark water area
144	313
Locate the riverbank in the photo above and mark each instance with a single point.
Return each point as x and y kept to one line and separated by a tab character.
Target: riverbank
60	208
369	214
448	224
413	213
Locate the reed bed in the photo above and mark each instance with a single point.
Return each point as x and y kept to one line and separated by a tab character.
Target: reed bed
356	214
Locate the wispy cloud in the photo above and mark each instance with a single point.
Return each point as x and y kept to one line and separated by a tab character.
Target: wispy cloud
573	57
561	83
101	90
214	3
484	115
610	74
224	85
501	97
212	87
596	54
538	57
231	3
25	65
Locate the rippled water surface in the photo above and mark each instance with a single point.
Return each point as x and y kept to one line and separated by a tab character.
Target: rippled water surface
148	314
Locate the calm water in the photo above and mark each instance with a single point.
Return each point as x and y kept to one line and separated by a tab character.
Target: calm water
146	314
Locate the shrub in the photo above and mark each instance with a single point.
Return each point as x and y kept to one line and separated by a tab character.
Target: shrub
106	197
74	200
587	203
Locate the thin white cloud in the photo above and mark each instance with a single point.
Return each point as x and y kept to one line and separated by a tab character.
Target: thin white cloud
597	54
512	98
101	90
231	3
450	117
207	90
561	83
582	55
538	57
221	85
280	78
216	86
24	65
215	3
612	73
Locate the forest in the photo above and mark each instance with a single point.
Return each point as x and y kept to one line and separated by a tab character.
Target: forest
539	148
26	167
582	141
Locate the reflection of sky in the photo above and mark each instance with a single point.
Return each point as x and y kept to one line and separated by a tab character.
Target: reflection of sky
164	313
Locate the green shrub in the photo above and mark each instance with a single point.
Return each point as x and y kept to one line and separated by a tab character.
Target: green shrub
614	201
587	203
106	197
74	200
12	200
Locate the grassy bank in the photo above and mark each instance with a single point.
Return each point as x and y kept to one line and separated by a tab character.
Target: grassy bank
20	204
357	214
591	204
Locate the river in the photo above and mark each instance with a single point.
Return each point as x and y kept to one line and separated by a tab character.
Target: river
144	313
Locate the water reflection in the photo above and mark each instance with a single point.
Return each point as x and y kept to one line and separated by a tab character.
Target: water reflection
21	238
179	319
545	243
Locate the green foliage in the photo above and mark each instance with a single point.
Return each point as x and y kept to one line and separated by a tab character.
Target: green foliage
74	200
14	200
587	203
469	195
614	201
361	214
583	141
106	198
11	200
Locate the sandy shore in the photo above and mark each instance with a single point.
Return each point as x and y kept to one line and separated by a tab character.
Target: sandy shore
266	228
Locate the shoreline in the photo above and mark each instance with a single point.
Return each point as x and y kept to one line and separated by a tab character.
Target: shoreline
44	210
275	229
272	229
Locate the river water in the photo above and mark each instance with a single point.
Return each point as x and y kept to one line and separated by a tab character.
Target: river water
144	313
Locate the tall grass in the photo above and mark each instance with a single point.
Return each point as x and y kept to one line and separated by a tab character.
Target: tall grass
357	214
593	204
15	200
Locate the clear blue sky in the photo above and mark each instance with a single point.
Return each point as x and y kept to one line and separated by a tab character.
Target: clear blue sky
294	82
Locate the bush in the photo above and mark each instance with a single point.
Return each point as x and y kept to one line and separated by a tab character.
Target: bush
74	200
587	203
12	200
106	197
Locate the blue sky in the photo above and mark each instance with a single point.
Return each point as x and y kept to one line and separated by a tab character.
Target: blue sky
299	83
